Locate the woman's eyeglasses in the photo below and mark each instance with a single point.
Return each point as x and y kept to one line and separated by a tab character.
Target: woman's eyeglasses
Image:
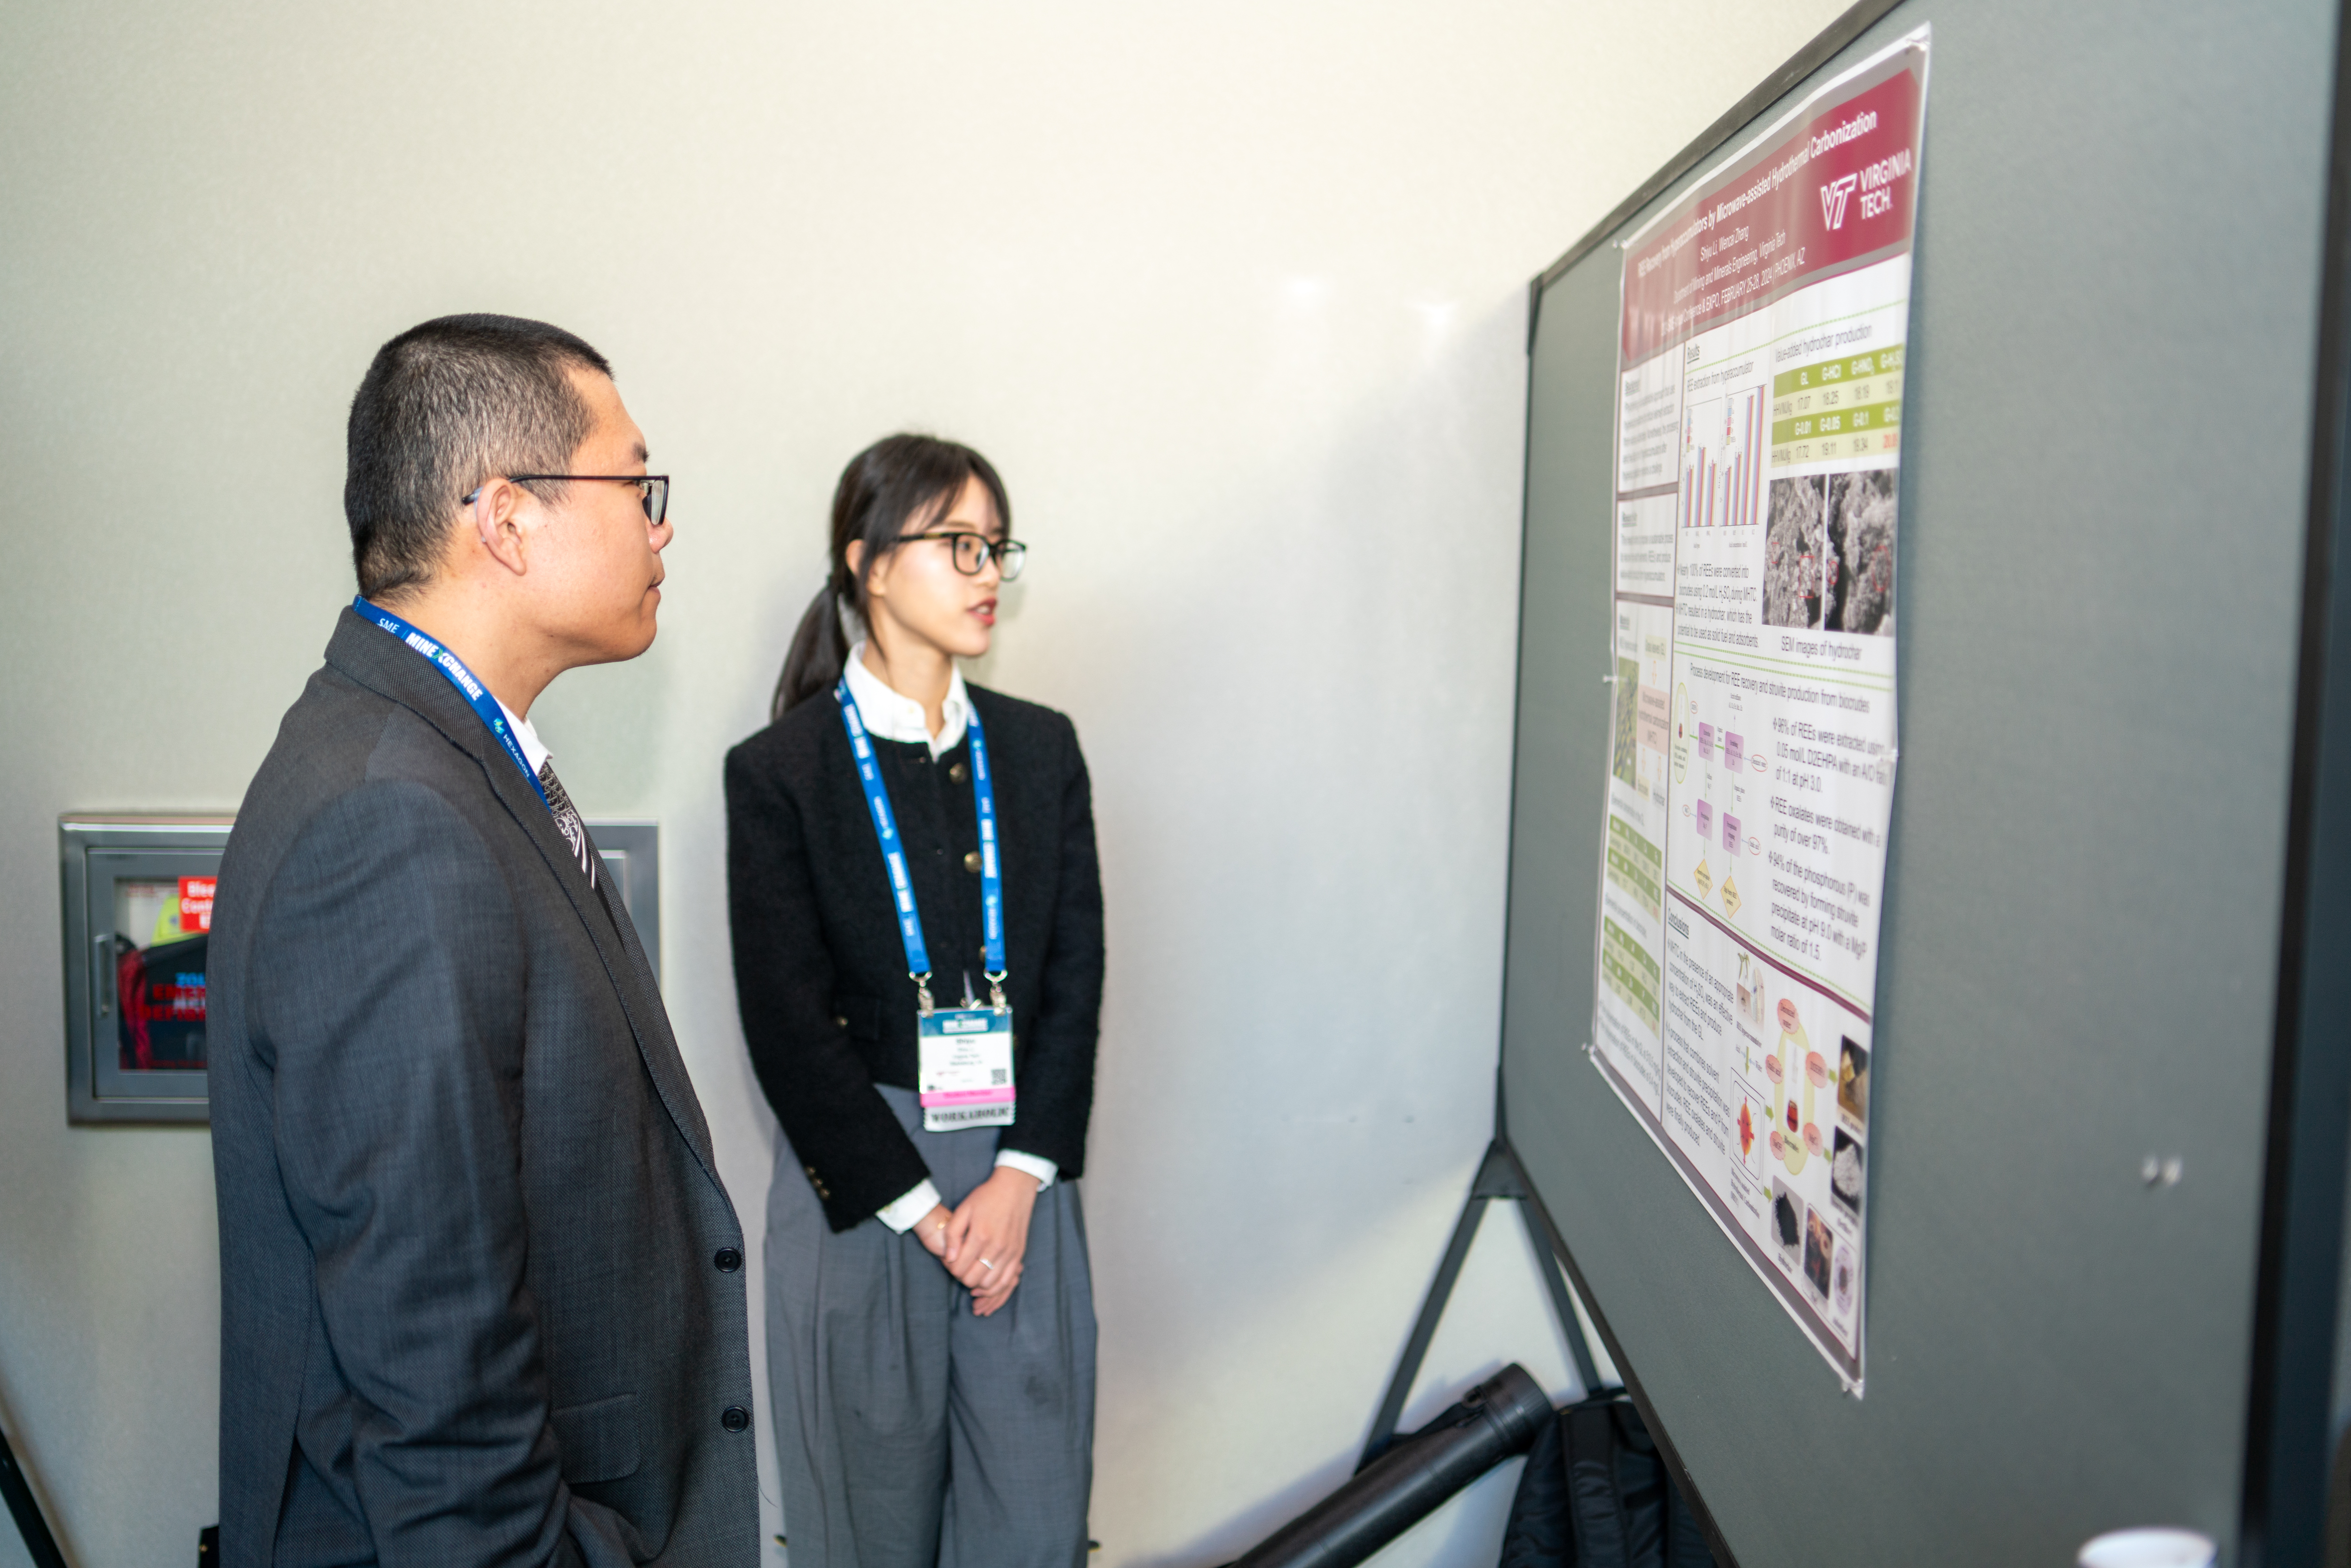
973	552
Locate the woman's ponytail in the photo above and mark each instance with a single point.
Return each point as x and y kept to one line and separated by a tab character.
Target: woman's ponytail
896	483
820	649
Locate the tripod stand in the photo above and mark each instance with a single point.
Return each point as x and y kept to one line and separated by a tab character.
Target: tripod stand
1499	1177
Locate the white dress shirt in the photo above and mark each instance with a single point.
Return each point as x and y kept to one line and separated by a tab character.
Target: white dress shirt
889	716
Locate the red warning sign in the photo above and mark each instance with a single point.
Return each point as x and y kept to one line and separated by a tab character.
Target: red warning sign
196	905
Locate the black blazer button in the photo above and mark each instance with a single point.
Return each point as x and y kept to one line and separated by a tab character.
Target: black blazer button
971	862
734	1418
958	773
840	1020
728	1260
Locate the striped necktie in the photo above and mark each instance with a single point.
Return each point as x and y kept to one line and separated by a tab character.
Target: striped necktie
567	819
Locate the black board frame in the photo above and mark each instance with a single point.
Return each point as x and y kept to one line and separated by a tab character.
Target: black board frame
2290	1449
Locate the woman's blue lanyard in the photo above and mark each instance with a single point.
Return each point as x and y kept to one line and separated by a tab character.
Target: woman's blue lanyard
894	851
485	706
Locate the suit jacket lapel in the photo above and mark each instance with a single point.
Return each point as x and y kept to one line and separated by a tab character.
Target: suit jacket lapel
640	992
395	670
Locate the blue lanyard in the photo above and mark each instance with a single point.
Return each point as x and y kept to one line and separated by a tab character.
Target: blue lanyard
893	849
485	706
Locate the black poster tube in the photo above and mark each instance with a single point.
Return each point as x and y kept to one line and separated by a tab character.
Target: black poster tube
1498	1418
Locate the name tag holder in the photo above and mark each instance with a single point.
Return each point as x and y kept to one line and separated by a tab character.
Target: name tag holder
965	1074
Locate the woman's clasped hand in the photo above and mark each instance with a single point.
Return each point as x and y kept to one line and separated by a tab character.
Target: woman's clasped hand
981	1241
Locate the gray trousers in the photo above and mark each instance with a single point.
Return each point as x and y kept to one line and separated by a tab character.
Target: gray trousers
909	1433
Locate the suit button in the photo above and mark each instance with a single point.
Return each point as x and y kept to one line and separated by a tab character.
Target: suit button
958	773
840	1020
971	862
734	1418
728	1260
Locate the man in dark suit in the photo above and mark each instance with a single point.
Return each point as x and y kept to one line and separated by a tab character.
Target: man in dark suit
482	1290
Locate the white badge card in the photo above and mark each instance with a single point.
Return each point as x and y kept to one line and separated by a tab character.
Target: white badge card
965	1073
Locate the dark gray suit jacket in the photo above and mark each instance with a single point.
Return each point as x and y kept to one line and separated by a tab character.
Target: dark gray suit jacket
482	1292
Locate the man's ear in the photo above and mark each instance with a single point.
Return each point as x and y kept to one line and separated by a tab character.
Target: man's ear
492	521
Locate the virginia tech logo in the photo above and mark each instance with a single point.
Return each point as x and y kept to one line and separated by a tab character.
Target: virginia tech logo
1832	199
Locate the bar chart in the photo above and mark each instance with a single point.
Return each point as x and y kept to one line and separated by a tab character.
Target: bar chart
1721	473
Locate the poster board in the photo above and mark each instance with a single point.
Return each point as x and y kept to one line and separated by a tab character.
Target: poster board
1761	353
2114	335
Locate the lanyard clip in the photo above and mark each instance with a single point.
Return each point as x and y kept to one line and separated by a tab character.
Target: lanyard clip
922	992
996	990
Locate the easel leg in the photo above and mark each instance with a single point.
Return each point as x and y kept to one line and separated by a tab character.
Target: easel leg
1562	1305
1498	1177
1424	1329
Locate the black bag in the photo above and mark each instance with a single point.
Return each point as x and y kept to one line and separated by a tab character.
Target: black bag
1595	1494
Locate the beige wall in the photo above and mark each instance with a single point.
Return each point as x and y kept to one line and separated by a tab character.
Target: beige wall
1234	294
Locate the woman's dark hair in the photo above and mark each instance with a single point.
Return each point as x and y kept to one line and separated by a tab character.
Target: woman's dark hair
897	486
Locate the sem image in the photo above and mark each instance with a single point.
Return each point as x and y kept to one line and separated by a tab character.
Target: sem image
1861	552
1792	550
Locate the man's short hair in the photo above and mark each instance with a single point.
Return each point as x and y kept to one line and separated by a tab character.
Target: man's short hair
445	407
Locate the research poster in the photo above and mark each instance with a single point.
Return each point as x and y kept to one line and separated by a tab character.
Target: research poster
1758	446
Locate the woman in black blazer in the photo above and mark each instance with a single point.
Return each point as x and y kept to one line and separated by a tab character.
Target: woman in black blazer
930	1315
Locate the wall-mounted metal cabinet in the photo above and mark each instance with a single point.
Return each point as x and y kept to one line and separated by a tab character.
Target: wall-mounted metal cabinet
136	918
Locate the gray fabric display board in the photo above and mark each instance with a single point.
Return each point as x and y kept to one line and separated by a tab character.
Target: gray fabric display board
2110	1090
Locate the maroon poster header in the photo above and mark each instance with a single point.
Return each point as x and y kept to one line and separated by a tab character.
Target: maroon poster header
1842	185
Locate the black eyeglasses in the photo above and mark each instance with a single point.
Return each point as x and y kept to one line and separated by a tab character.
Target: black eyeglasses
652	490
973	552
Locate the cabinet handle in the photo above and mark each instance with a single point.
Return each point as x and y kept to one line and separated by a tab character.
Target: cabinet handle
102	974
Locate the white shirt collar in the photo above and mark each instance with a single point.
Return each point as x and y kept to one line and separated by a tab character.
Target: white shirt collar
888	715
534	750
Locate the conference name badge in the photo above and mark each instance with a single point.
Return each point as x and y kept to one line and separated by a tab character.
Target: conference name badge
965	1069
